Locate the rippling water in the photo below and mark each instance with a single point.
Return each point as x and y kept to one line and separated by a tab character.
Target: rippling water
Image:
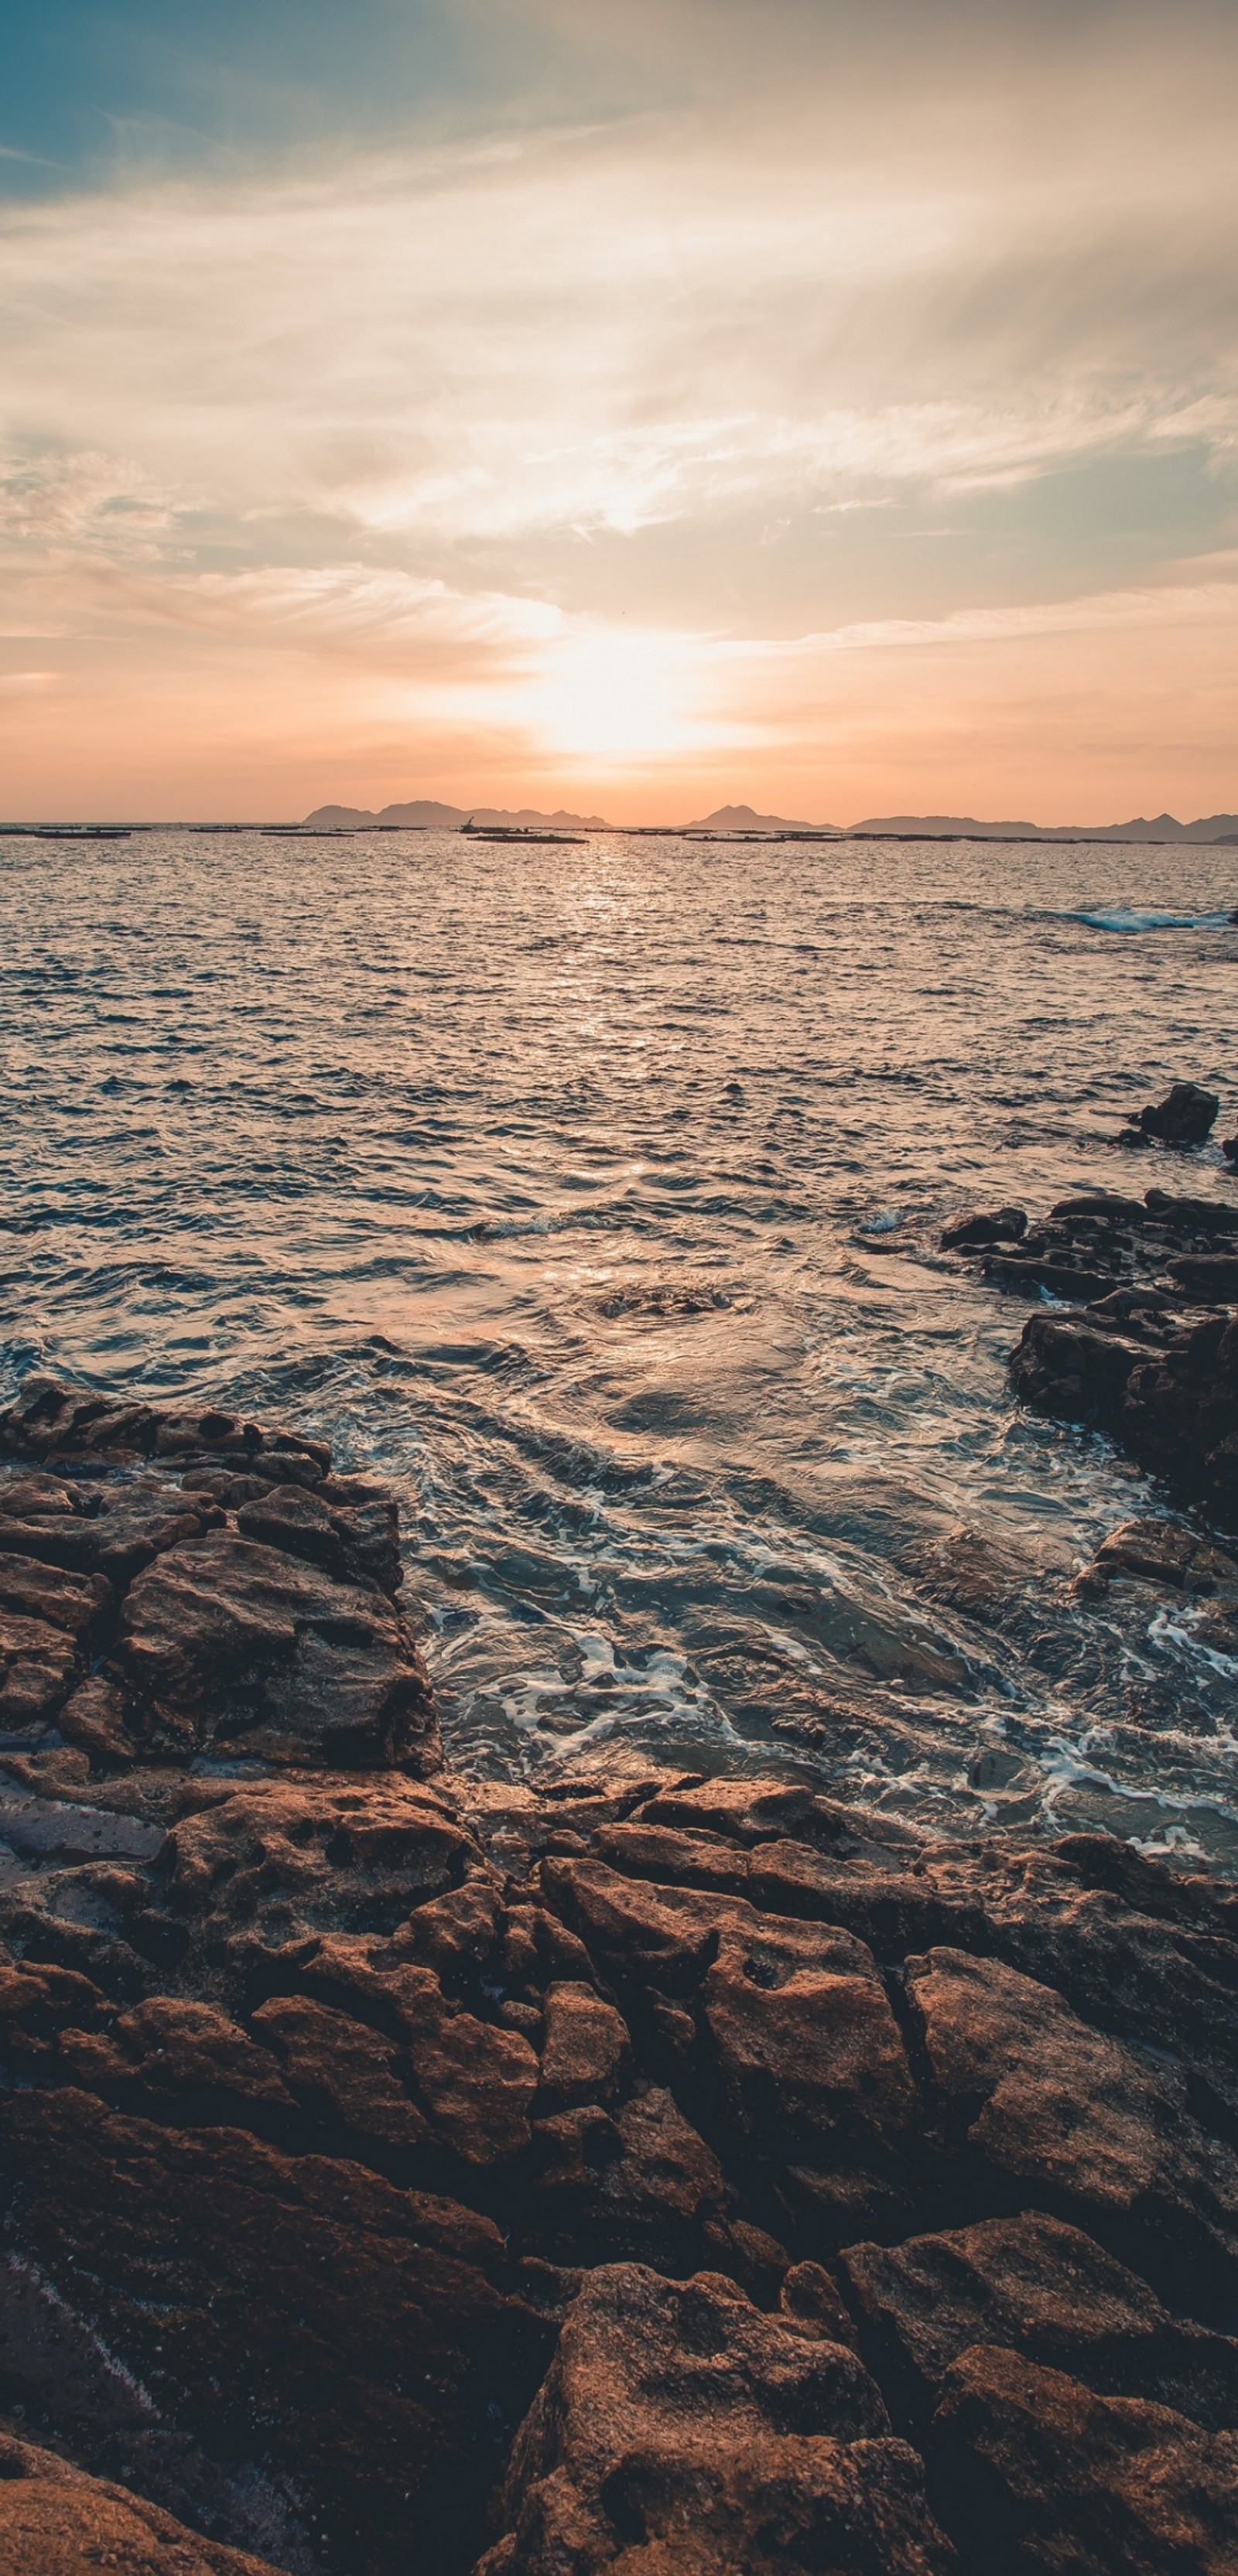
592	1194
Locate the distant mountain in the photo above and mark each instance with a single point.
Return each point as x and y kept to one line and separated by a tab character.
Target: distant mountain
964	827
740	818
444	818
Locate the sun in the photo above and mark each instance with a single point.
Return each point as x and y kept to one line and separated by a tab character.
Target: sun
608	693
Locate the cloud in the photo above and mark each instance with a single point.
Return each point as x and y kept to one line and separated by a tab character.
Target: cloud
549	414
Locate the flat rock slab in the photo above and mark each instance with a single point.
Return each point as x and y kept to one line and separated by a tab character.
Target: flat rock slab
43	1829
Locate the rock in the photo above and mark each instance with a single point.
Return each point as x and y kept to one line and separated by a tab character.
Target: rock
53	1420
55	2521
170	2047
1163	1552
1039	2288
679	2428
640	2183
1184	1117
999	1225
357	1545
94	1719
794	2016
75	1603
1211	1276
585	2048
44	1829
349	2330
1043	2476
38	1667
269	1862
1066	1365
336	2065
1075	2119
257	1649
475	2083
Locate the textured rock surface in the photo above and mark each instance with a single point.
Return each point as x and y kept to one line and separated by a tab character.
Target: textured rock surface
54	2521
404	2174
228	1590
679	2427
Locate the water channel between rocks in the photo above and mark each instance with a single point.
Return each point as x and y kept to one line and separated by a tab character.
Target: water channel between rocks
592	1195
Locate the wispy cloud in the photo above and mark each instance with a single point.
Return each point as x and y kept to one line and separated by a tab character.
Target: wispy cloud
598	411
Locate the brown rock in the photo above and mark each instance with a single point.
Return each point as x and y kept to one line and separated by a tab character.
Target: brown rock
474	2082
38	1667
1040	2476
349	2327
171	2047
356	1543
679	2429
586	2046
271	1653
55	2521
1044	2290
93	1717
1073	2116
281	1860
72	1602
339	2066
639	2183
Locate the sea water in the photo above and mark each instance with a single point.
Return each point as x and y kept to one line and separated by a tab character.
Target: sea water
592	1194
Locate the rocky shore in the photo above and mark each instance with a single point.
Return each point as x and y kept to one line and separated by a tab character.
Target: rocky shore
405	2175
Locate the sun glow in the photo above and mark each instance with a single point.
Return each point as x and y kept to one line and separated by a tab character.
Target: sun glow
606	694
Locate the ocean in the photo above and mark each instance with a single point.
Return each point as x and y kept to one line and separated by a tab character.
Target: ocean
592	1195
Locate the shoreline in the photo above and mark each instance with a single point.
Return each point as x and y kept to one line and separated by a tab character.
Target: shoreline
409	2173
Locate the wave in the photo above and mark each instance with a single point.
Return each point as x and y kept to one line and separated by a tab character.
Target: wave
1123	919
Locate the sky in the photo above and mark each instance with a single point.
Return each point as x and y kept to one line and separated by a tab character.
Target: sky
831	407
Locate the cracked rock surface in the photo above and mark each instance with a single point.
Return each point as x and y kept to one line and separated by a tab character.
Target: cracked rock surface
405	2176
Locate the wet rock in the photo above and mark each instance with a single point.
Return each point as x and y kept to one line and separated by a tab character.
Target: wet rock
1184	1117
56	2521
680	2427
972	1233
352	2329
357	1545
1164	1552
1039	2475
1075	2120
43	1829
257	1649
1039	2288
53	1420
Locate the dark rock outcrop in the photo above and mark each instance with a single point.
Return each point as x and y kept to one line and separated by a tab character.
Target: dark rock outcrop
1185	1116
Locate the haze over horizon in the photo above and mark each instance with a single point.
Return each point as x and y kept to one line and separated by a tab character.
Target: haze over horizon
833	409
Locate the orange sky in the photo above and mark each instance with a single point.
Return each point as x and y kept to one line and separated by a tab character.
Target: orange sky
833	434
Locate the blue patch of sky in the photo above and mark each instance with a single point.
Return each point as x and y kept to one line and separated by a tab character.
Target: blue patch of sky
87	90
